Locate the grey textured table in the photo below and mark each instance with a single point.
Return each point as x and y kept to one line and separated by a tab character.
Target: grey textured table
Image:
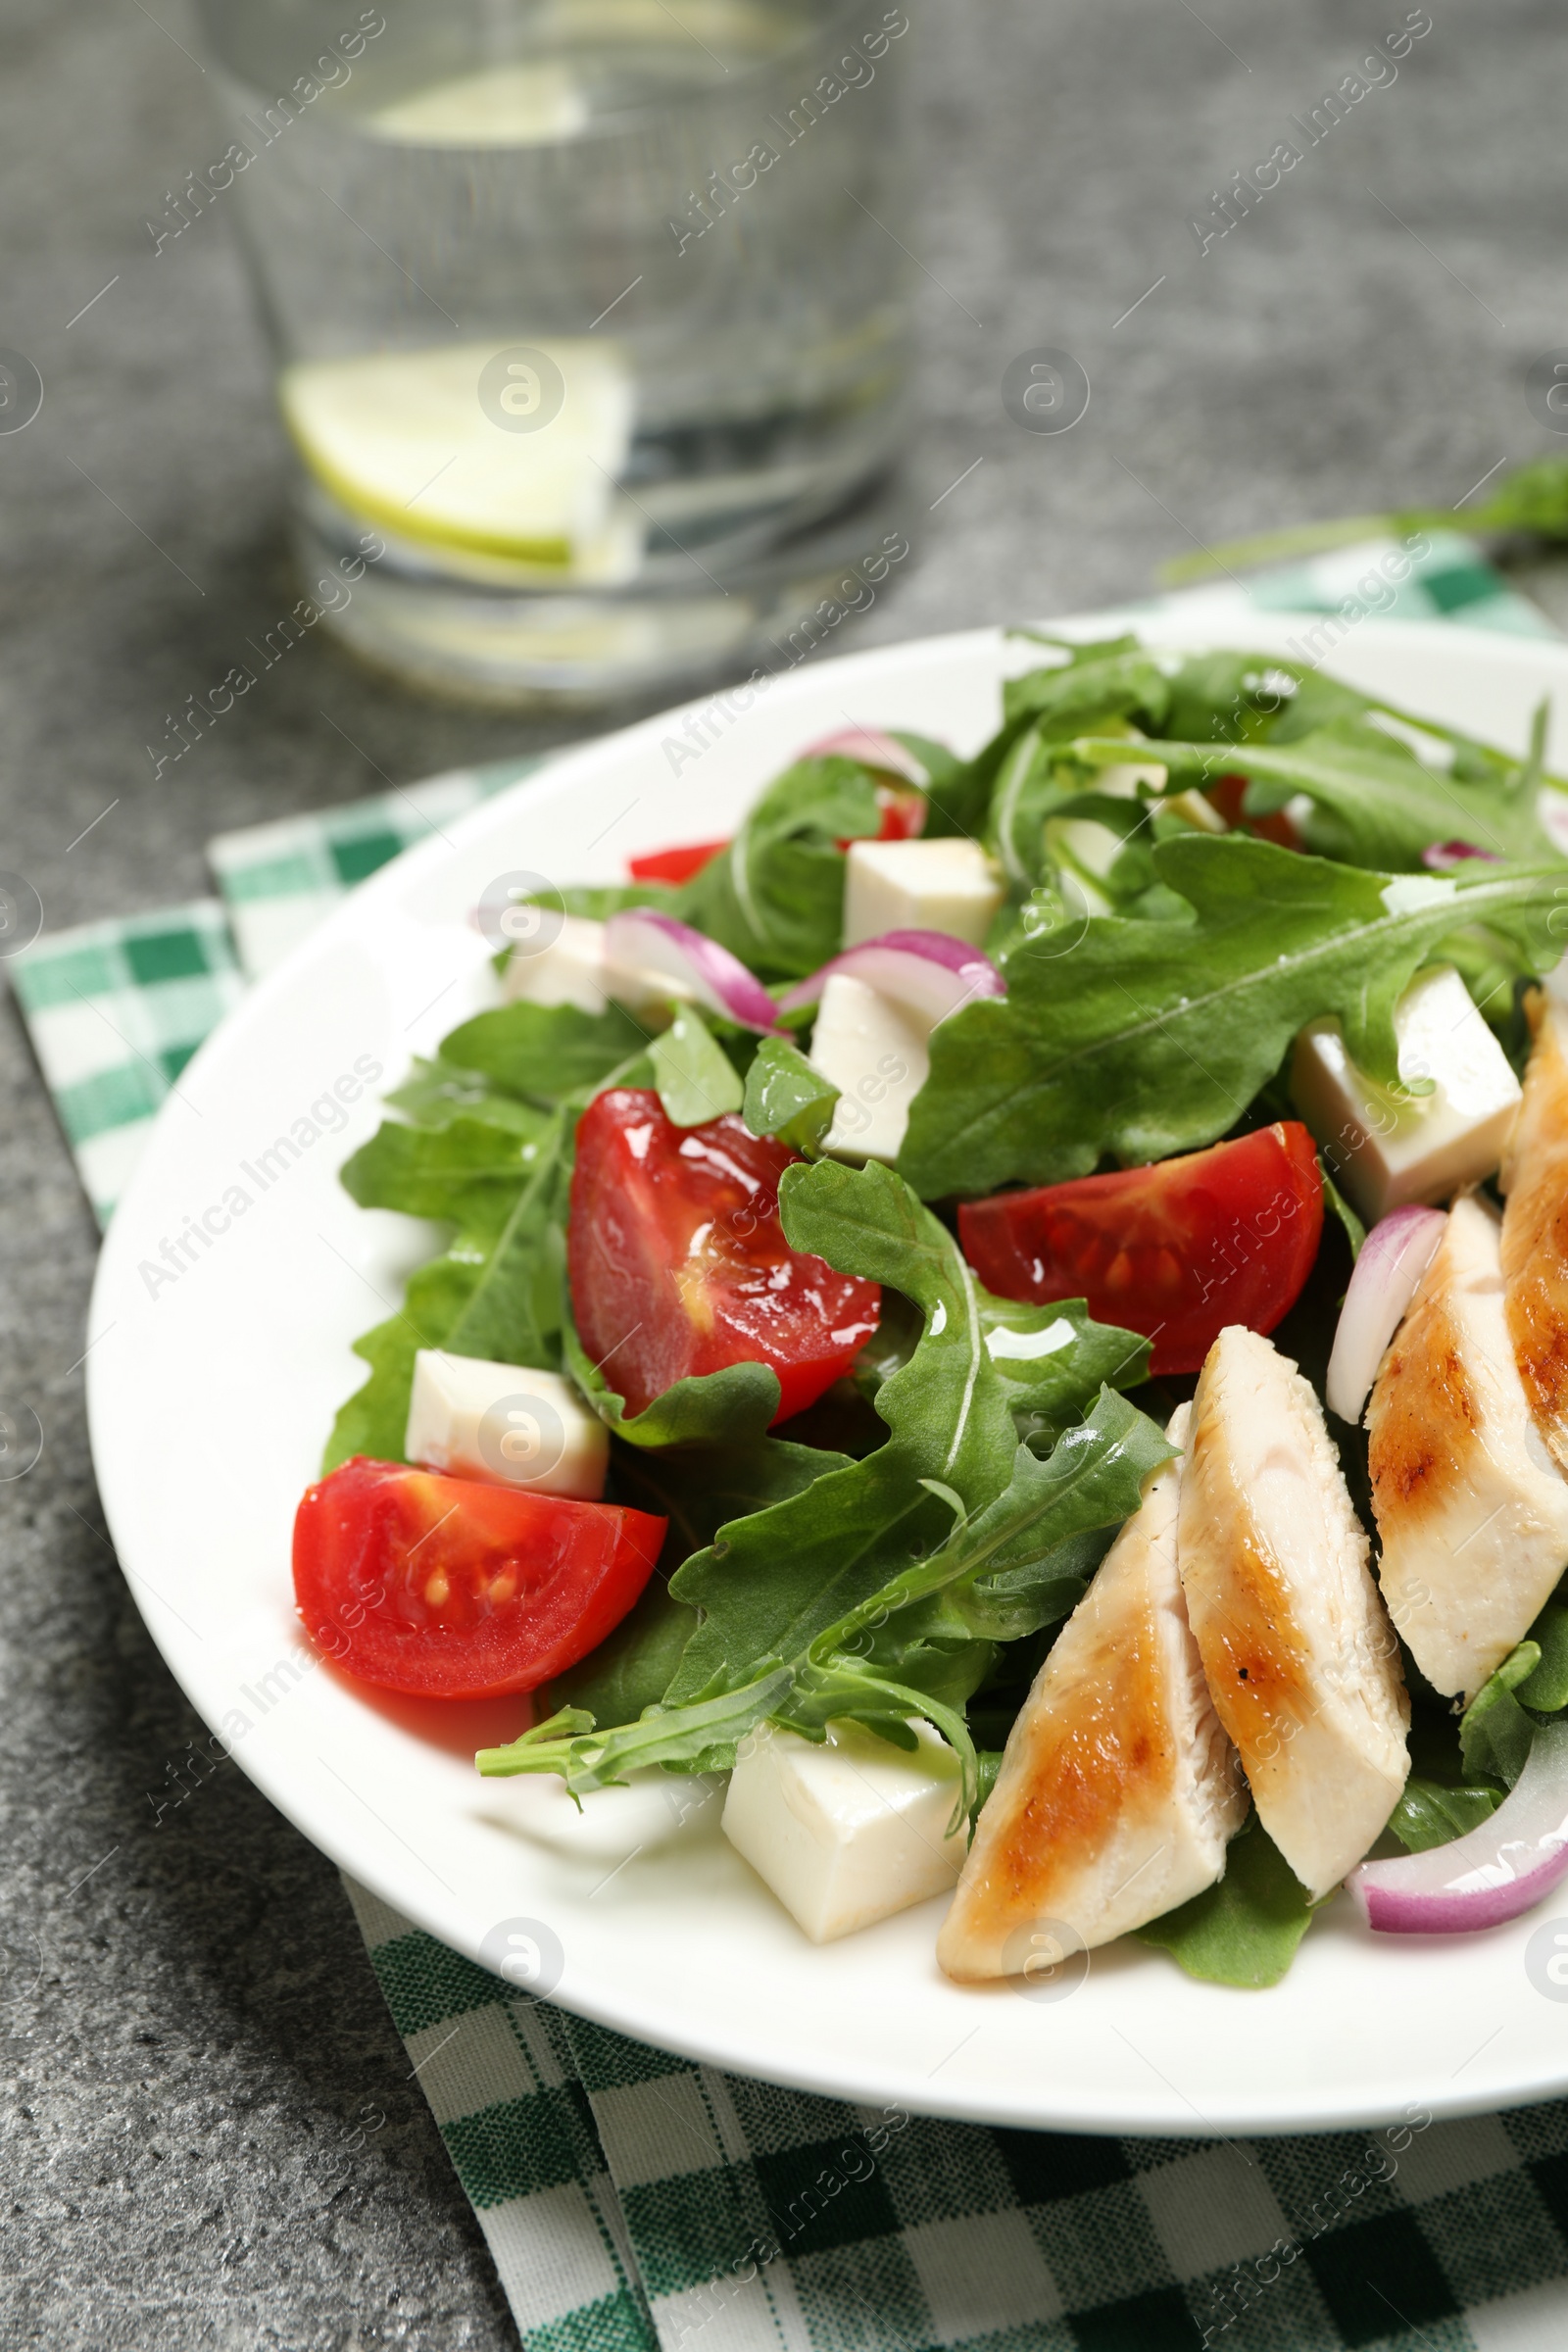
194	2045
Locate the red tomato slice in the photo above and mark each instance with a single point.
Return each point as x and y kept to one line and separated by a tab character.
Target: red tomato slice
1176	1251
902	813
1227	794
449	1589
674	865
678	1262
903	816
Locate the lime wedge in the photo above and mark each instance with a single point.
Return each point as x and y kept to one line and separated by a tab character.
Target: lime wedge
401	438
503	106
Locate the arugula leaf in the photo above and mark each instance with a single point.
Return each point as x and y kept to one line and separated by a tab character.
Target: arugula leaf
375	1418
437	1092
947	1406
1376	803
1495	1731
1245	1930
733	1406
512	1315
1429	1814
700	1489
1337	1206
822	1677
670	1735
775	896
1115	680
774	1581
777	1579
599	901
1530	498
630	1669
696	1489
938	761
1051	1360
695	1077
470	1169
1150	1038
543	1053
1544	1687
994	1563
787	1097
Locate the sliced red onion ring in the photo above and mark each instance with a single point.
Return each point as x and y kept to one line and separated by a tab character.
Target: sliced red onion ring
872	748
642	940
1395	1255
1445	856
928	971
1493	1873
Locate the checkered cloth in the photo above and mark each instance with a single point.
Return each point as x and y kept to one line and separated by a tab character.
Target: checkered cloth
636	2203
116	1009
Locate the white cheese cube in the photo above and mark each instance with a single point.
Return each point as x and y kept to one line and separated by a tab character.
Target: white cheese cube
947	886
850	1832
507	1424
877	1054
571	966
1386	1146
559	967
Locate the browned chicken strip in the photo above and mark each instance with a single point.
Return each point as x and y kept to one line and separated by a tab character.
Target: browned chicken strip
1535	1228
1472	1512
1300	1659
1118	1790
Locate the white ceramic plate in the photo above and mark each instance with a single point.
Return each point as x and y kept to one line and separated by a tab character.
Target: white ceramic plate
211	1395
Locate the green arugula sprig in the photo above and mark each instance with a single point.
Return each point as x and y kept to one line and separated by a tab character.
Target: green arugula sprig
1375	803
1147	1038
836	1586
1531	499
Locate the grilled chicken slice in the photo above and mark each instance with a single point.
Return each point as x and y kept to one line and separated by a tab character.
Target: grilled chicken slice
1300	1659
1535	1228
1118	1792
1471	1509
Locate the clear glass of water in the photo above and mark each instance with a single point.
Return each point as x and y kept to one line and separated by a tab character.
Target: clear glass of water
589	316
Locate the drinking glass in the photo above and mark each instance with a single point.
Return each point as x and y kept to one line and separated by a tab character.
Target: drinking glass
589	316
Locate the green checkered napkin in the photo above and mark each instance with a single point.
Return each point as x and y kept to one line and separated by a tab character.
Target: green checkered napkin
116	1009
634	2202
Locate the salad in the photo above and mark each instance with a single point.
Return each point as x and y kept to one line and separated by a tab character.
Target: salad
1018	1308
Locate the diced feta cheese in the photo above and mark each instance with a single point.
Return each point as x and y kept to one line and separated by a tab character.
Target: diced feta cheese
877	1054
570	967
850	1832
564	967
1387	1146
507	1424
947	886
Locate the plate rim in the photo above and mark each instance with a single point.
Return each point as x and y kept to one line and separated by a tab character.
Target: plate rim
1115	2114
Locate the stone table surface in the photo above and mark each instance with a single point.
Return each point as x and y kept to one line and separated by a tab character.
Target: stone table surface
191	2031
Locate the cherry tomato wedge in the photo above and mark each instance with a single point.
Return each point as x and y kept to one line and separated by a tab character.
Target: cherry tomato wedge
1176	1251
674	865
1227	793
678	1262
449	1589
903	816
